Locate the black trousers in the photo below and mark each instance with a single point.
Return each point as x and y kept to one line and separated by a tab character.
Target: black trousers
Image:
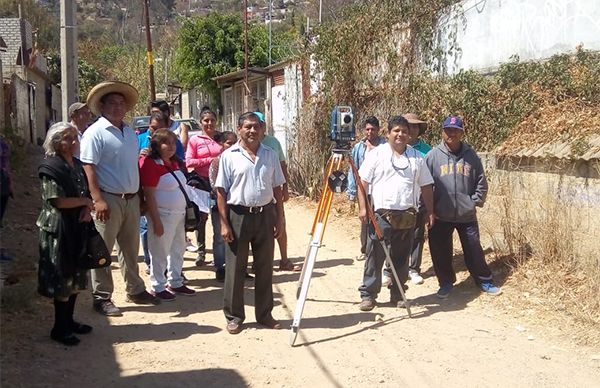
257	231
440	246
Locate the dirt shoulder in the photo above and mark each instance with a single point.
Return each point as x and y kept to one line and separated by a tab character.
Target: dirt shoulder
468	339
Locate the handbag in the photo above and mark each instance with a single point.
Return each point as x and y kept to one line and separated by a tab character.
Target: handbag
95	252
192	213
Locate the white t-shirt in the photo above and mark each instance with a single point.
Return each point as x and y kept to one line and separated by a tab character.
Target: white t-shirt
395	182
247	182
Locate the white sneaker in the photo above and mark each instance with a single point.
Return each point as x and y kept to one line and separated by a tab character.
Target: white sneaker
361	257
190	247
386	280
415	278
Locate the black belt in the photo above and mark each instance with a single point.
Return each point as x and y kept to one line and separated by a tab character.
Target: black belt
122	195
240	209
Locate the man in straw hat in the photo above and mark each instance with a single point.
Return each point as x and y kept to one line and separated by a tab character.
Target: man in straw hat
109	151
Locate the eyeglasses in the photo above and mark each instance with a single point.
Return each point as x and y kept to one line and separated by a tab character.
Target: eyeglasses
400	168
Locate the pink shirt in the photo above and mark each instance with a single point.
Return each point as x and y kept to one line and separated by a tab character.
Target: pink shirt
201	151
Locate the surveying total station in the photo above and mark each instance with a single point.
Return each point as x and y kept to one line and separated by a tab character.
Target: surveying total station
343	133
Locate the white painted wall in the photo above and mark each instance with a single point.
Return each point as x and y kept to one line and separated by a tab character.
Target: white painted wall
489	32
286	102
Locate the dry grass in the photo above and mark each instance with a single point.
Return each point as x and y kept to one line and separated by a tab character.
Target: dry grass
550	279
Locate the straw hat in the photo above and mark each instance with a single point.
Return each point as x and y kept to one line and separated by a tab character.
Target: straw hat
107	87
413	118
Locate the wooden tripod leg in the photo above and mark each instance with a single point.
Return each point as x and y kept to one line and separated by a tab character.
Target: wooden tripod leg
313	248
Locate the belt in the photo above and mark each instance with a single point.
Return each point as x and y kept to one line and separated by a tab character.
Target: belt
240	209
121	195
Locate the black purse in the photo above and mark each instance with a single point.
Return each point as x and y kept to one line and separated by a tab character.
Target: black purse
95	252
193	215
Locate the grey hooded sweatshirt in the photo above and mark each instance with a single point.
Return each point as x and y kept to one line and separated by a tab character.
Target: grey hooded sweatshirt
459	183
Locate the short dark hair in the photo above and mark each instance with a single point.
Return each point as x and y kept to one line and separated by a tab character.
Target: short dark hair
161	104
396	121
207	111
221	137
371	120
245	116
158	116
160	137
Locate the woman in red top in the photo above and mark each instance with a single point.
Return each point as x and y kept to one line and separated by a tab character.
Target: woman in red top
201	151
161	177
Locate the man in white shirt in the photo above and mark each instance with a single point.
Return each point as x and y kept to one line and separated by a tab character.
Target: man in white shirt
396	175
249	179
109	151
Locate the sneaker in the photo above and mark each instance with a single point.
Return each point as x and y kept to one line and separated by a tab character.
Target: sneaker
386	280
444	291
183	290
164	295
415	278
367	304
490	289
190	247
107	307
143	298
361	257
201	259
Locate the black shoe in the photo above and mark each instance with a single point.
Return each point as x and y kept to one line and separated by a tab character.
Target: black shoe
220	275
201	259
80	328
107	307
143	298
65	338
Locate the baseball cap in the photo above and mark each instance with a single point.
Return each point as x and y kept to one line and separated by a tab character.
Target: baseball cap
453	122
74	107
261	116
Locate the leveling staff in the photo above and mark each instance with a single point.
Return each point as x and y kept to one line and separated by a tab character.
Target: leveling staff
397	175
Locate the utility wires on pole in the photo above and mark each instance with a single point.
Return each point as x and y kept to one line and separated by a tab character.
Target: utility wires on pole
149	56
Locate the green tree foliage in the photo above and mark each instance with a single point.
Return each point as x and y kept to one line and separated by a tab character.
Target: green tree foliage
88	75
213	45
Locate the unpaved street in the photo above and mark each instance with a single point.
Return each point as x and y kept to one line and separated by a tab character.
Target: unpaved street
467	340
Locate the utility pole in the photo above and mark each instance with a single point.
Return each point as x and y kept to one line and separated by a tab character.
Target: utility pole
149	56
68	56
270	31
246	88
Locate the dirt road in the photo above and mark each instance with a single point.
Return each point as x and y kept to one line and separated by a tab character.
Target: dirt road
467	340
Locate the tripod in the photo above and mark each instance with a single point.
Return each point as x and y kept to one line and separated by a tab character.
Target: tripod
318	230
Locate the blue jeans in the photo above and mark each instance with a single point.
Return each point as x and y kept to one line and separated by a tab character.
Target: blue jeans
440	246
144	237
218	242
399	243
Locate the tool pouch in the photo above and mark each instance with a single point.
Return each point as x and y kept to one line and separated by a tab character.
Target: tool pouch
400	219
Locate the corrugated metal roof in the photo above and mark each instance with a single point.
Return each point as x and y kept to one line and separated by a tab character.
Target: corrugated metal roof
585	148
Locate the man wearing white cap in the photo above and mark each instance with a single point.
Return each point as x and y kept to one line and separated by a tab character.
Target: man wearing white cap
109	151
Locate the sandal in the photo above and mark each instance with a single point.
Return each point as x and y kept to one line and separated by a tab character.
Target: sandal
287	265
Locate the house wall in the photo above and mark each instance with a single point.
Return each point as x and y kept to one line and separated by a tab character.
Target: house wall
489	32
286	102
529	193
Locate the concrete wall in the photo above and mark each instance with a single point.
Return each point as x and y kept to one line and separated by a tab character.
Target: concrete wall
489	32
286	103
542	197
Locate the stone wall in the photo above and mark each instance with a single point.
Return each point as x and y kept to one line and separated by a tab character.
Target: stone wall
538	195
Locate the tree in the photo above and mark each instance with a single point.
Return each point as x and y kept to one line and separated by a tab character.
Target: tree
213	45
